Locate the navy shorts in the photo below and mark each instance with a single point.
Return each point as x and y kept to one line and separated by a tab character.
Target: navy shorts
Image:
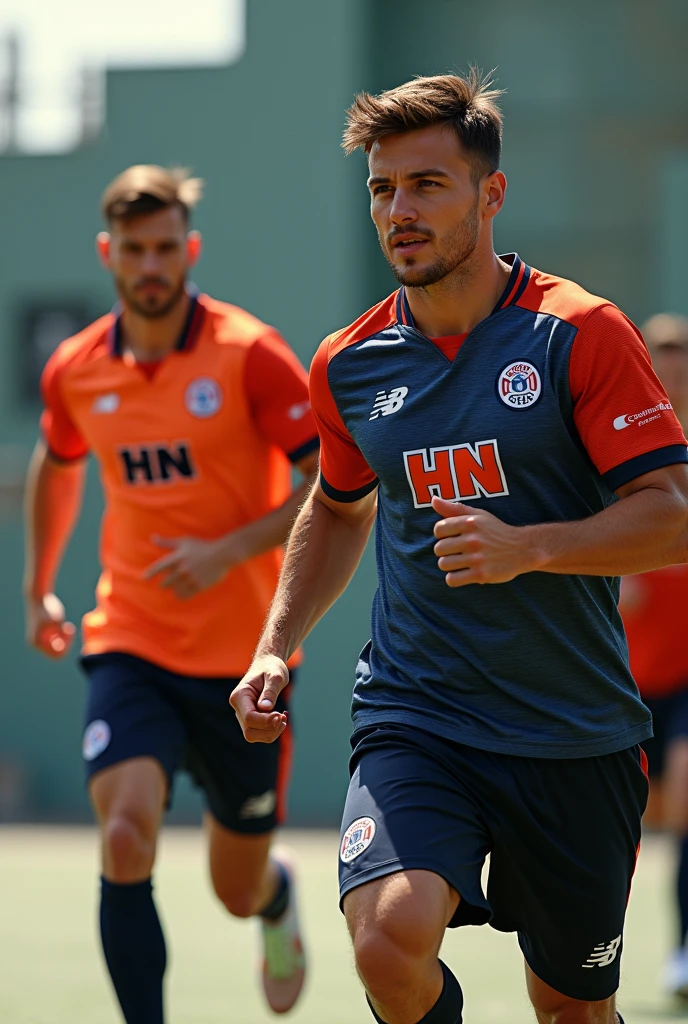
137	709
669	722
562	836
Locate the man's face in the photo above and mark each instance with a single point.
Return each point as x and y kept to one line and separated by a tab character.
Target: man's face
424	204
670	363
149	260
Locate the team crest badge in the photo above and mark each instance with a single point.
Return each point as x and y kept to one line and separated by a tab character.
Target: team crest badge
96	739
203	397
357	839
519	385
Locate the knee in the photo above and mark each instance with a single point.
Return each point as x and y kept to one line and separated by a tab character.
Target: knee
240	901
391	952
128	848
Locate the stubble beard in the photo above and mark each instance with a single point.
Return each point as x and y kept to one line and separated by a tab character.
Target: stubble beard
460	246
150	310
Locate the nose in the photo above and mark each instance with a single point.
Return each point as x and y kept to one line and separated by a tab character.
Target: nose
402	210
150	264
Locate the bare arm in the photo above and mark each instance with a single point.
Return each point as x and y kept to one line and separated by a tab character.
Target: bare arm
324	550
646	529
52	504
194	564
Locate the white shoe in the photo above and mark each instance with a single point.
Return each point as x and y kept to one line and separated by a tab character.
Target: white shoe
284	963
675	975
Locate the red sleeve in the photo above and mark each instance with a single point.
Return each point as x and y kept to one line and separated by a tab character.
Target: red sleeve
620	409
62	436
344	473
277	389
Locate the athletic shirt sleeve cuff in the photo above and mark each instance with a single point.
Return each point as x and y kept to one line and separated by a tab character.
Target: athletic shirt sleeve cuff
670	455
347	496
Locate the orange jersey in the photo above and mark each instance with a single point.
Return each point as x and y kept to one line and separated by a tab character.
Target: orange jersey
654	607
199	444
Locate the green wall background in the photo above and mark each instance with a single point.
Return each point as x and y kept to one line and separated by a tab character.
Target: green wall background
596	153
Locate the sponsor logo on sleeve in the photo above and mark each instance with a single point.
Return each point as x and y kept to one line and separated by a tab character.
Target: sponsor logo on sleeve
357	839
641	419
519	385
96	739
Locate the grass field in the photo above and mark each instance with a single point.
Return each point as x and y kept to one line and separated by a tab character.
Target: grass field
51	973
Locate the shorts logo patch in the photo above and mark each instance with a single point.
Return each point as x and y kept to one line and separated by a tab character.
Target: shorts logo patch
357	839
604	954
203	397
519	384
96	739
259	806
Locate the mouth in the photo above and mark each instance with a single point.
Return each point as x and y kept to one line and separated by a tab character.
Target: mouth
409	243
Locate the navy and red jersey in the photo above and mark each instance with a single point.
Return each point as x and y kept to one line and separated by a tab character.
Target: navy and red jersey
654	606
549	406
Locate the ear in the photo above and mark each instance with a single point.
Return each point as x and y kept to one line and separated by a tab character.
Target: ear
495	190
103	248
194	247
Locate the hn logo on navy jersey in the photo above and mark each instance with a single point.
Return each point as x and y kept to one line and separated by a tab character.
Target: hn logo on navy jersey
456	472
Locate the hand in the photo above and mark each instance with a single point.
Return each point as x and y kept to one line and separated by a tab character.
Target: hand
191	565
46	627
254	698
473	546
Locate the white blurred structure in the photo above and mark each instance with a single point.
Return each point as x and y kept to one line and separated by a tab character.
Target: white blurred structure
53	58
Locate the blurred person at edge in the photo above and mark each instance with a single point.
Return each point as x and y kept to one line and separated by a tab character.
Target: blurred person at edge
195	412
654	607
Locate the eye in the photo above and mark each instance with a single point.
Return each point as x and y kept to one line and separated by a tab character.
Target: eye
428	181
378	189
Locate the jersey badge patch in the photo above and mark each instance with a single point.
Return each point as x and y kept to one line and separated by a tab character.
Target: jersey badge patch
106	403
96	739
388	402
357	839
203	397
519	384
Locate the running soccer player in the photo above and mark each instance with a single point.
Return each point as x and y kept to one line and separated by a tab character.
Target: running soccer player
196	412
653	606
494	409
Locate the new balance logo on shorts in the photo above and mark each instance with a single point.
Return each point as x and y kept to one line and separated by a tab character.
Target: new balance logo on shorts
388	402
456	472
604	954
259	806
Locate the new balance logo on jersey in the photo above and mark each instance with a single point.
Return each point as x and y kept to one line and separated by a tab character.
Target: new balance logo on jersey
456	472
157	463
388	402
604	954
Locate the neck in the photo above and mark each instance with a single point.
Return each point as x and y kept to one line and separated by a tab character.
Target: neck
148	339
461	299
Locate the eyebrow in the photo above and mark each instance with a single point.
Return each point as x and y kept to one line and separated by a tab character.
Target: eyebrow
430	172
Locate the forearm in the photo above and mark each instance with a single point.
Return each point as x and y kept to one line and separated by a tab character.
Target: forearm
51	509
264	534
323	553
643	531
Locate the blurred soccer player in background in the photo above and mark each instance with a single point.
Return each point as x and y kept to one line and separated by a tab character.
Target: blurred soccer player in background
654	607
195	412
494	711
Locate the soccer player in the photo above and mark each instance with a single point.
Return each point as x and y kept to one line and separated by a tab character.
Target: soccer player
524	455
195	412
653	606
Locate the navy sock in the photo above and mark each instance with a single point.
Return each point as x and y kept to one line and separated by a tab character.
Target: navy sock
682	889
280	901
447	1009
134	948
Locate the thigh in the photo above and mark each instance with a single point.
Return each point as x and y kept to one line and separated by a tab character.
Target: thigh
566	835
236	860
407	810
413	907
245	784
135	789
129	715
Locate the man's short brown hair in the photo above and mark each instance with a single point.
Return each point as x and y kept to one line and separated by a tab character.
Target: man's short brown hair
468	105
146	188
666	330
